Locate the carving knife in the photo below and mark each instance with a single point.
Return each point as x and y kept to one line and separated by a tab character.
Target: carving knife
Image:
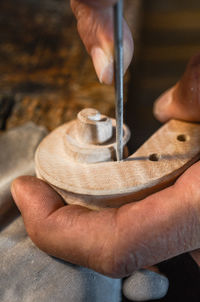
119	73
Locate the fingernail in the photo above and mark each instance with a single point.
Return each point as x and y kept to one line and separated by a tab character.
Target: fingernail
12	189
103	65
13	192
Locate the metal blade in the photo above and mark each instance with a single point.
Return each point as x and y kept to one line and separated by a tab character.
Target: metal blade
119	72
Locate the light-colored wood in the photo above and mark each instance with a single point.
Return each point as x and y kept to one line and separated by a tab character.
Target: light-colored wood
92	127
155	165
91	138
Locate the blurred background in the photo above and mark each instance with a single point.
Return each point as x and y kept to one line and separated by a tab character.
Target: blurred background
46	76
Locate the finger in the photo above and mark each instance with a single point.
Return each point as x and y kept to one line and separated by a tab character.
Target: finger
115	242
157	284
95	26
72	233
183	100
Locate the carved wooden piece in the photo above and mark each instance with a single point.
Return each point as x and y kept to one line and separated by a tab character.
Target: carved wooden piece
155	165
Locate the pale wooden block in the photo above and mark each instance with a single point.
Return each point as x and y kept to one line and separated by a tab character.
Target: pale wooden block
155	165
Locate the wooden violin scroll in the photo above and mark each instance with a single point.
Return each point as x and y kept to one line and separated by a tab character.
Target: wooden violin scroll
92	127
91	138
78	160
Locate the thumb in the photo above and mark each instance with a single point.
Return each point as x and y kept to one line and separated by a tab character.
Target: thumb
95	26
183	100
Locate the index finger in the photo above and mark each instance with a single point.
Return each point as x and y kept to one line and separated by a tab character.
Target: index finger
95	27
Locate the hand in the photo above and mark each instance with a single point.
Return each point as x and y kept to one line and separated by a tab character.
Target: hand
183	100
95	26
117	242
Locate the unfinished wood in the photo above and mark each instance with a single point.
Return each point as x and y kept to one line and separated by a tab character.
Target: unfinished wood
92	127
91	138
171	150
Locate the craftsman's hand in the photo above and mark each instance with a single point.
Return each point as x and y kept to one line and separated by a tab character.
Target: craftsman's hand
114	242
117	242
183	100
95	26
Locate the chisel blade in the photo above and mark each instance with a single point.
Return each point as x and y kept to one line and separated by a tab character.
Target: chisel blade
119	73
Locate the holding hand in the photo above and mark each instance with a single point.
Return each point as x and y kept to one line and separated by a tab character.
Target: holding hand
95	26
117	242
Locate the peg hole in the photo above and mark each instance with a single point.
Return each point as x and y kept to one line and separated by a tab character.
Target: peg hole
154	157
182	138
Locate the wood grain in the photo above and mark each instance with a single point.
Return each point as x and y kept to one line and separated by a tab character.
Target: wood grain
155	165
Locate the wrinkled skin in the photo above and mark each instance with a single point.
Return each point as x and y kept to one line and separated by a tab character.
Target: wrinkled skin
95	26
183	100
117	242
